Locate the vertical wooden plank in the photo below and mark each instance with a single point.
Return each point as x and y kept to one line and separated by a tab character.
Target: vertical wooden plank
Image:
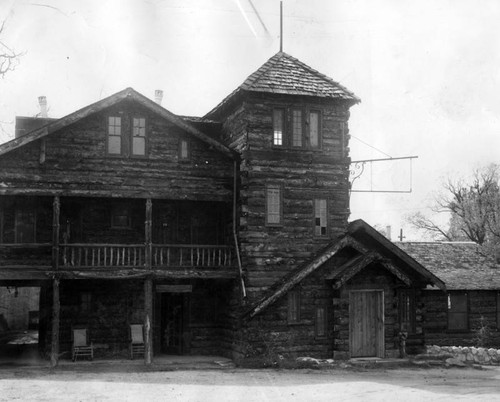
56	306
55	232
381	325
148	315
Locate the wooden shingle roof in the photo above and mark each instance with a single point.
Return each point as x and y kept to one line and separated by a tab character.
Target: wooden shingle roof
460	265
286	75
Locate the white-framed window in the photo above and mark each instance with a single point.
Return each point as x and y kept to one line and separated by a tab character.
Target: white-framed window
114	135
139	136
320	217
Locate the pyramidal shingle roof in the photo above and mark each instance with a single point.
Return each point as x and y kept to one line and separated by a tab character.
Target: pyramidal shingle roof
284	74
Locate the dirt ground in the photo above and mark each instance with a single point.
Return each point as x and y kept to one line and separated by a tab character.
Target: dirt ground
230	384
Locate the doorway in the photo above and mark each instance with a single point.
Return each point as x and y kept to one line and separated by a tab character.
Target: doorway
366	323
172	310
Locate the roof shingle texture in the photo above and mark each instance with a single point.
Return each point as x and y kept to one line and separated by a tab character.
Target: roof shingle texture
284	74
459	265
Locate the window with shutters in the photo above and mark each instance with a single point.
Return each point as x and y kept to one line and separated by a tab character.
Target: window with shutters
274	205
458	317
320	217
293	306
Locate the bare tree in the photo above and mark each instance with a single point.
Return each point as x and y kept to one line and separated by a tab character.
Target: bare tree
9	58
474	208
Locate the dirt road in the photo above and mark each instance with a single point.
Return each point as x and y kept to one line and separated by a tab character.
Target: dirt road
409	384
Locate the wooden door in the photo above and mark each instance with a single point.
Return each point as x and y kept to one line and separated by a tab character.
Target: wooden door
174	323
366	323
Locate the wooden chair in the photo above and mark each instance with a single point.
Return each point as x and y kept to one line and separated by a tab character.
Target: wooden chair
136	340
81	345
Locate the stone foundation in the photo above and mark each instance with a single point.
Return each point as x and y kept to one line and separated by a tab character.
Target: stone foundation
467	354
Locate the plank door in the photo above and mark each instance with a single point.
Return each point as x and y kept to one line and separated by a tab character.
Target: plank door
366	323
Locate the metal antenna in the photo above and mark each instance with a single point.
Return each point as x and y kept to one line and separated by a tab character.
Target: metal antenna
281	26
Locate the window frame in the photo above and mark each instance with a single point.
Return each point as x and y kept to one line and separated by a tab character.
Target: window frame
293	306
25	210
315	216
319	145
278	187
451	312
132	136
108	135
321	323
283	111
293	126
188	150
409	296
128	213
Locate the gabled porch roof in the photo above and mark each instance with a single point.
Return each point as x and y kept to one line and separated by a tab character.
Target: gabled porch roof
371	247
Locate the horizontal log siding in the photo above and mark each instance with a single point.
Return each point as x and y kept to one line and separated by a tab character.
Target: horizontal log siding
76	163
372	277
304	174
482	306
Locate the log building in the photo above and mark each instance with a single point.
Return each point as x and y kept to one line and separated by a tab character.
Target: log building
224	235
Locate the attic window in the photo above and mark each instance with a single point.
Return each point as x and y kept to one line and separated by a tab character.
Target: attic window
139	136
278	126
297	128
114	135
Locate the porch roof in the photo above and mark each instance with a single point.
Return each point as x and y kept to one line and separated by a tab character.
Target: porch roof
126	94
461	265
369	246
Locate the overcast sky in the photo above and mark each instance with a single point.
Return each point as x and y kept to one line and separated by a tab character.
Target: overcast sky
427	72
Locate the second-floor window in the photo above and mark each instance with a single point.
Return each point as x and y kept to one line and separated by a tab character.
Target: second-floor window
297	128
127	137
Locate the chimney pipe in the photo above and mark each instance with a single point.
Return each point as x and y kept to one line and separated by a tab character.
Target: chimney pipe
158	96
42	101
388	232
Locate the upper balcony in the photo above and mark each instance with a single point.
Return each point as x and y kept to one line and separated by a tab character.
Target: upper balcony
109	237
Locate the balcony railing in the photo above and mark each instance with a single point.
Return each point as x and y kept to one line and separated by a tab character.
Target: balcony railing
102	255
175	255
134	255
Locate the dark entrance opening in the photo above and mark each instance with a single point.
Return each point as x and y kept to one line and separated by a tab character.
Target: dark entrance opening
172	318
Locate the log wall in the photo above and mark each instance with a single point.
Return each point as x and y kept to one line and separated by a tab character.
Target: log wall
482	314
76	163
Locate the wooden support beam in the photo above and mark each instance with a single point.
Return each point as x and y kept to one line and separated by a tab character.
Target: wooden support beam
148	314
55	232
56	306
148	285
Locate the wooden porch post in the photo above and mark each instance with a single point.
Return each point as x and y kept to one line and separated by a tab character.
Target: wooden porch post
148	286
56	306
54	350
